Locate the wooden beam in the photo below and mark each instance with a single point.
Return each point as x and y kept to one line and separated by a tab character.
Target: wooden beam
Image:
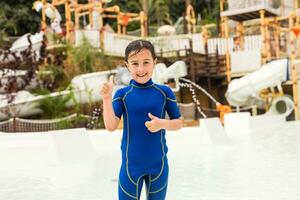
263	33
294	72
143	17
83	14
44	24
222	24
268	43
58	2
222	5
68	20
109	16
277	36
228	70
296	9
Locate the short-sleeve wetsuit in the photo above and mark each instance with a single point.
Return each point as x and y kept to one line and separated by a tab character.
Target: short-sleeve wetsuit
144	154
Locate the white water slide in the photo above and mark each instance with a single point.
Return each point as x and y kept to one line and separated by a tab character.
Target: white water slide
22	44
85	88
244	92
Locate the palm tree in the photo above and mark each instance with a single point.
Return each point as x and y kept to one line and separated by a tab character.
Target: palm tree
156	10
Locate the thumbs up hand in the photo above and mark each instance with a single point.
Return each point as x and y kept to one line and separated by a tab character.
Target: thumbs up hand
155	124
107	88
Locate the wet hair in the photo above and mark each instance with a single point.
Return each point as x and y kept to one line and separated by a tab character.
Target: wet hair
137	46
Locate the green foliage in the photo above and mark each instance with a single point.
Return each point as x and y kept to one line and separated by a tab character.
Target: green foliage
79	122
18	18
157	10
40	91
54	107
57	72
3	38
65	124
53	77
100	122
84	56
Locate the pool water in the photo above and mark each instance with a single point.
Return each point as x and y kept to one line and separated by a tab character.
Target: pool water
263	166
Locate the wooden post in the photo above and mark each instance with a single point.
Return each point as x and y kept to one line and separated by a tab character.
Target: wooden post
263	34
119	18
143	18
295	10
240	32
228	70
221	5
190	18
91	20
124	30
77	14
292	63
222	24
68	19
268	43
145	24
282	7
44	24
100	16
277	35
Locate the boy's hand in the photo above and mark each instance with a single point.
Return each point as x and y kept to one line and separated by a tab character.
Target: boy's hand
107	88
155	124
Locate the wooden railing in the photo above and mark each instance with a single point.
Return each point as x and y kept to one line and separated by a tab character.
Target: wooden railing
115	44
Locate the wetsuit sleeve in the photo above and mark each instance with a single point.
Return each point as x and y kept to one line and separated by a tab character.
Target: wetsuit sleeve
117	103
171	104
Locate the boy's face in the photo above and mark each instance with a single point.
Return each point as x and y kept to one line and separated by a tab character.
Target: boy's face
141	65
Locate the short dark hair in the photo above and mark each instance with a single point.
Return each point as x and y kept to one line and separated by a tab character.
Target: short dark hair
137	45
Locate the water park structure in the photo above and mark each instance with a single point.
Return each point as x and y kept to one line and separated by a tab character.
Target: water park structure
265	31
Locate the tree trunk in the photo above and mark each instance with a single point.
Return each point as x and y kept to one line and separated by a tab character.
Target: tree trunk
145	9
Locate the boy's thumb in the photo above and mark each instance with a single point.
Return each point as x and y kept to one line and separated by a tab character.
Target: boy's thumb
151	116
111	79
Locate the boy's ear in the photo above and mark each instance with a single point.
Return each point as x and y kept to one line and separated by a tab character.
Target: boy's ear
126	64
155	61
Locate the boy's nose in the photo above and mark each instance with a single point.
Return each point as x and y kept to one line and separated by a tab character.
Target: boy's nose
140	67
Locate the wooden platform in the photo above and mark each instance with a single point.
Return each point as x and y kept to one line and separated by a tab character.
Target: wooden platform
249	13
209	64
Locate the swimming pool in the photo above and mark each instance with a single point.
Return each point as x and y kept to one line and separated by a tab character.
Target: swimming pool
265	165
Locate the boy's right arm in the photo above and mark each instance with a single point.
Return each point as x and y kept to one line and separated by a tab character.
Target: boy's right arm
111	122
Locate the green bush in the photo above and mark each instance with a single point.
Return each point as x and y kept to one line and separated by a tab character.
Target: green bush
54	107
83	56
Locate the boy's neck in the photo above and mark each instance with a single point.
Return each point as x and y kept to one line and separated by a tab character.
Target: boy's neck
135	83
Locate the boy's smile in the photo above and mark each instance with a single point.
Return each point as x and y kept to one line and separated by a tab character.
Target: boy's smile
141	76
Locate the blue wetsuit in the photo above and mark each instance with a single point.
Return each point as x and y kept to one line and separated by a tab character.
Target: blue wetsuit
143	153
